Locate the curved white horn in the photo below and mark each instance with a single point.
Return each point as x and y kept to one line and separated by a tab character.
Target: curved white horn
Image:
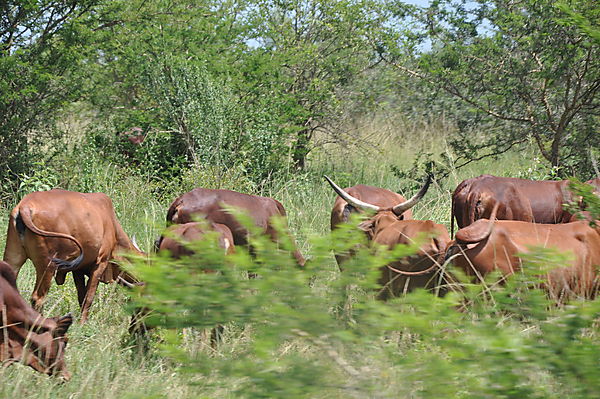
404	206
135	245
355	202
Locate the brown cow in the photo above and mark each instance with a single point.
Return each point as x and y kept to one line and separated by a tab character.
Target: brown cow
388	228
519	199
27	336
208	203
488	245
178	234
53	224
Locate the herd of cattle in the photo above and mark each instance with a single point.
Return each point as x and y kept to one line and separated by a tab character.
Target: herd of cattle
63	231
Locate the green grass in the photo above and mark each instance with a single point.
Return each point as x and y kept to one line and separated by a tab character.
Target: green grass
105	365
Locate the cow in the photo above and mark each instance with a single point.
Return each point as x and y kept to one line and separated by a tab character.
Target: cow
26	336
209	203
178	234
173	242
388	228
518	199
489	244
374	195
49	226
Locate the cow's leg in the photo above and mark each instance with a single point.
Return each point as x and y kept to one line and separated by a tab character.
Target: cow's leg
92	286
44	272
216	335
14	252
79	279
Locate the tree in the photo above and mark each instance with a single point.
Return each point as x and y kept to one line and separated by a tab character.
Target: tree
520	70
314	49
39	50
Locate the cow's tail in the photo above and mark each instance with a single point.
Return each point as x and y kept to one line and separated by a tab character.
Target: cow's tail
280	208
478	232
172	213
23	219
472	201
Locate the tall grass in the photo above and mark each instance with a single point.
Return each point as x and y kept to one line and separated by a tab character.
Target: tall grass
104	362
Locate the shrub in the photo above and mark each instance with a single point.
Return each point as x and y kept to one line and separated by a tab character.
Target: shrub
303	339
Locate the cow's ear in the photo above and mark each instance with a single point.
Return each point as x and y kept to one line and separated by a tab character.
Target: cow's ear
62	325
367	226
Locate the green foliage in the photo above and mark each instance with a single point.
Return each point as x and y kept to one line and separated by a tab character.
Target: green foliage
590	200
517	73
507	341
43	178
39	56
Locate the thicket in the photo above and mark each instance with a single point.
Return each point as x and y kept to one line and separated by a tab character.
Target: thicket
483	339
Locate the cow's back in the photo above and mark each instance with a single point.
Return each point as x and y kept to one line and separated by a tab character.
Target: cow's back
519	199
208	203
507	239
80	215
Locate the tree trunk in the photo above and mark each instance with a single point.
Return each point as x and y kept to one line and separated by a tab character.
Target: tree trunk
301	148
556	144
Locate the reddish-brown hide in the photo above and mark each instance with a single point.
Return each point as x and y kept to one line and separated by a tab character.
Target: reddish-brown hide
208	203
417	271
373	195
178	234
26	336
63	224
518	199
488	245
388	227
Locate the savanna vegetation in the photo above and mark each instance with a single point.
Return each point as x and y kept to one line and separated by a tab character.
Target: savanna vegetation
265	97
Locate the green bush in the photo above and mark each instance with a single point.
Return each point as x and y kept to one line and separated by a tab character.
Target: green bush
301	339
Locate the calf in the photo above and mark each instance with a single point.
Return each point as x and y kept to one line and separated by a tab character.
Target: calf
179	234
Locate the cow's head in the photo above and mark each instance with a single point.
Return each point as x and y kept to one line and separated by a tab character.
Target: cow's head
45	351
383	216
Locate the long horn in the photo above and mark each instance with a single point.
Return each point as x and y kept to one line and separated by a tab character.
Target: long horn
135	244
406	205
355	202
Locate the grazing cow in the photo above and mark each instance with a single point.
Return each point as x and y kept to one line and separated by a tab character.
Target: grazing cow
173	242
184	233
388	228
373	195
26	336
208	203
48	226
519	199
488	245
